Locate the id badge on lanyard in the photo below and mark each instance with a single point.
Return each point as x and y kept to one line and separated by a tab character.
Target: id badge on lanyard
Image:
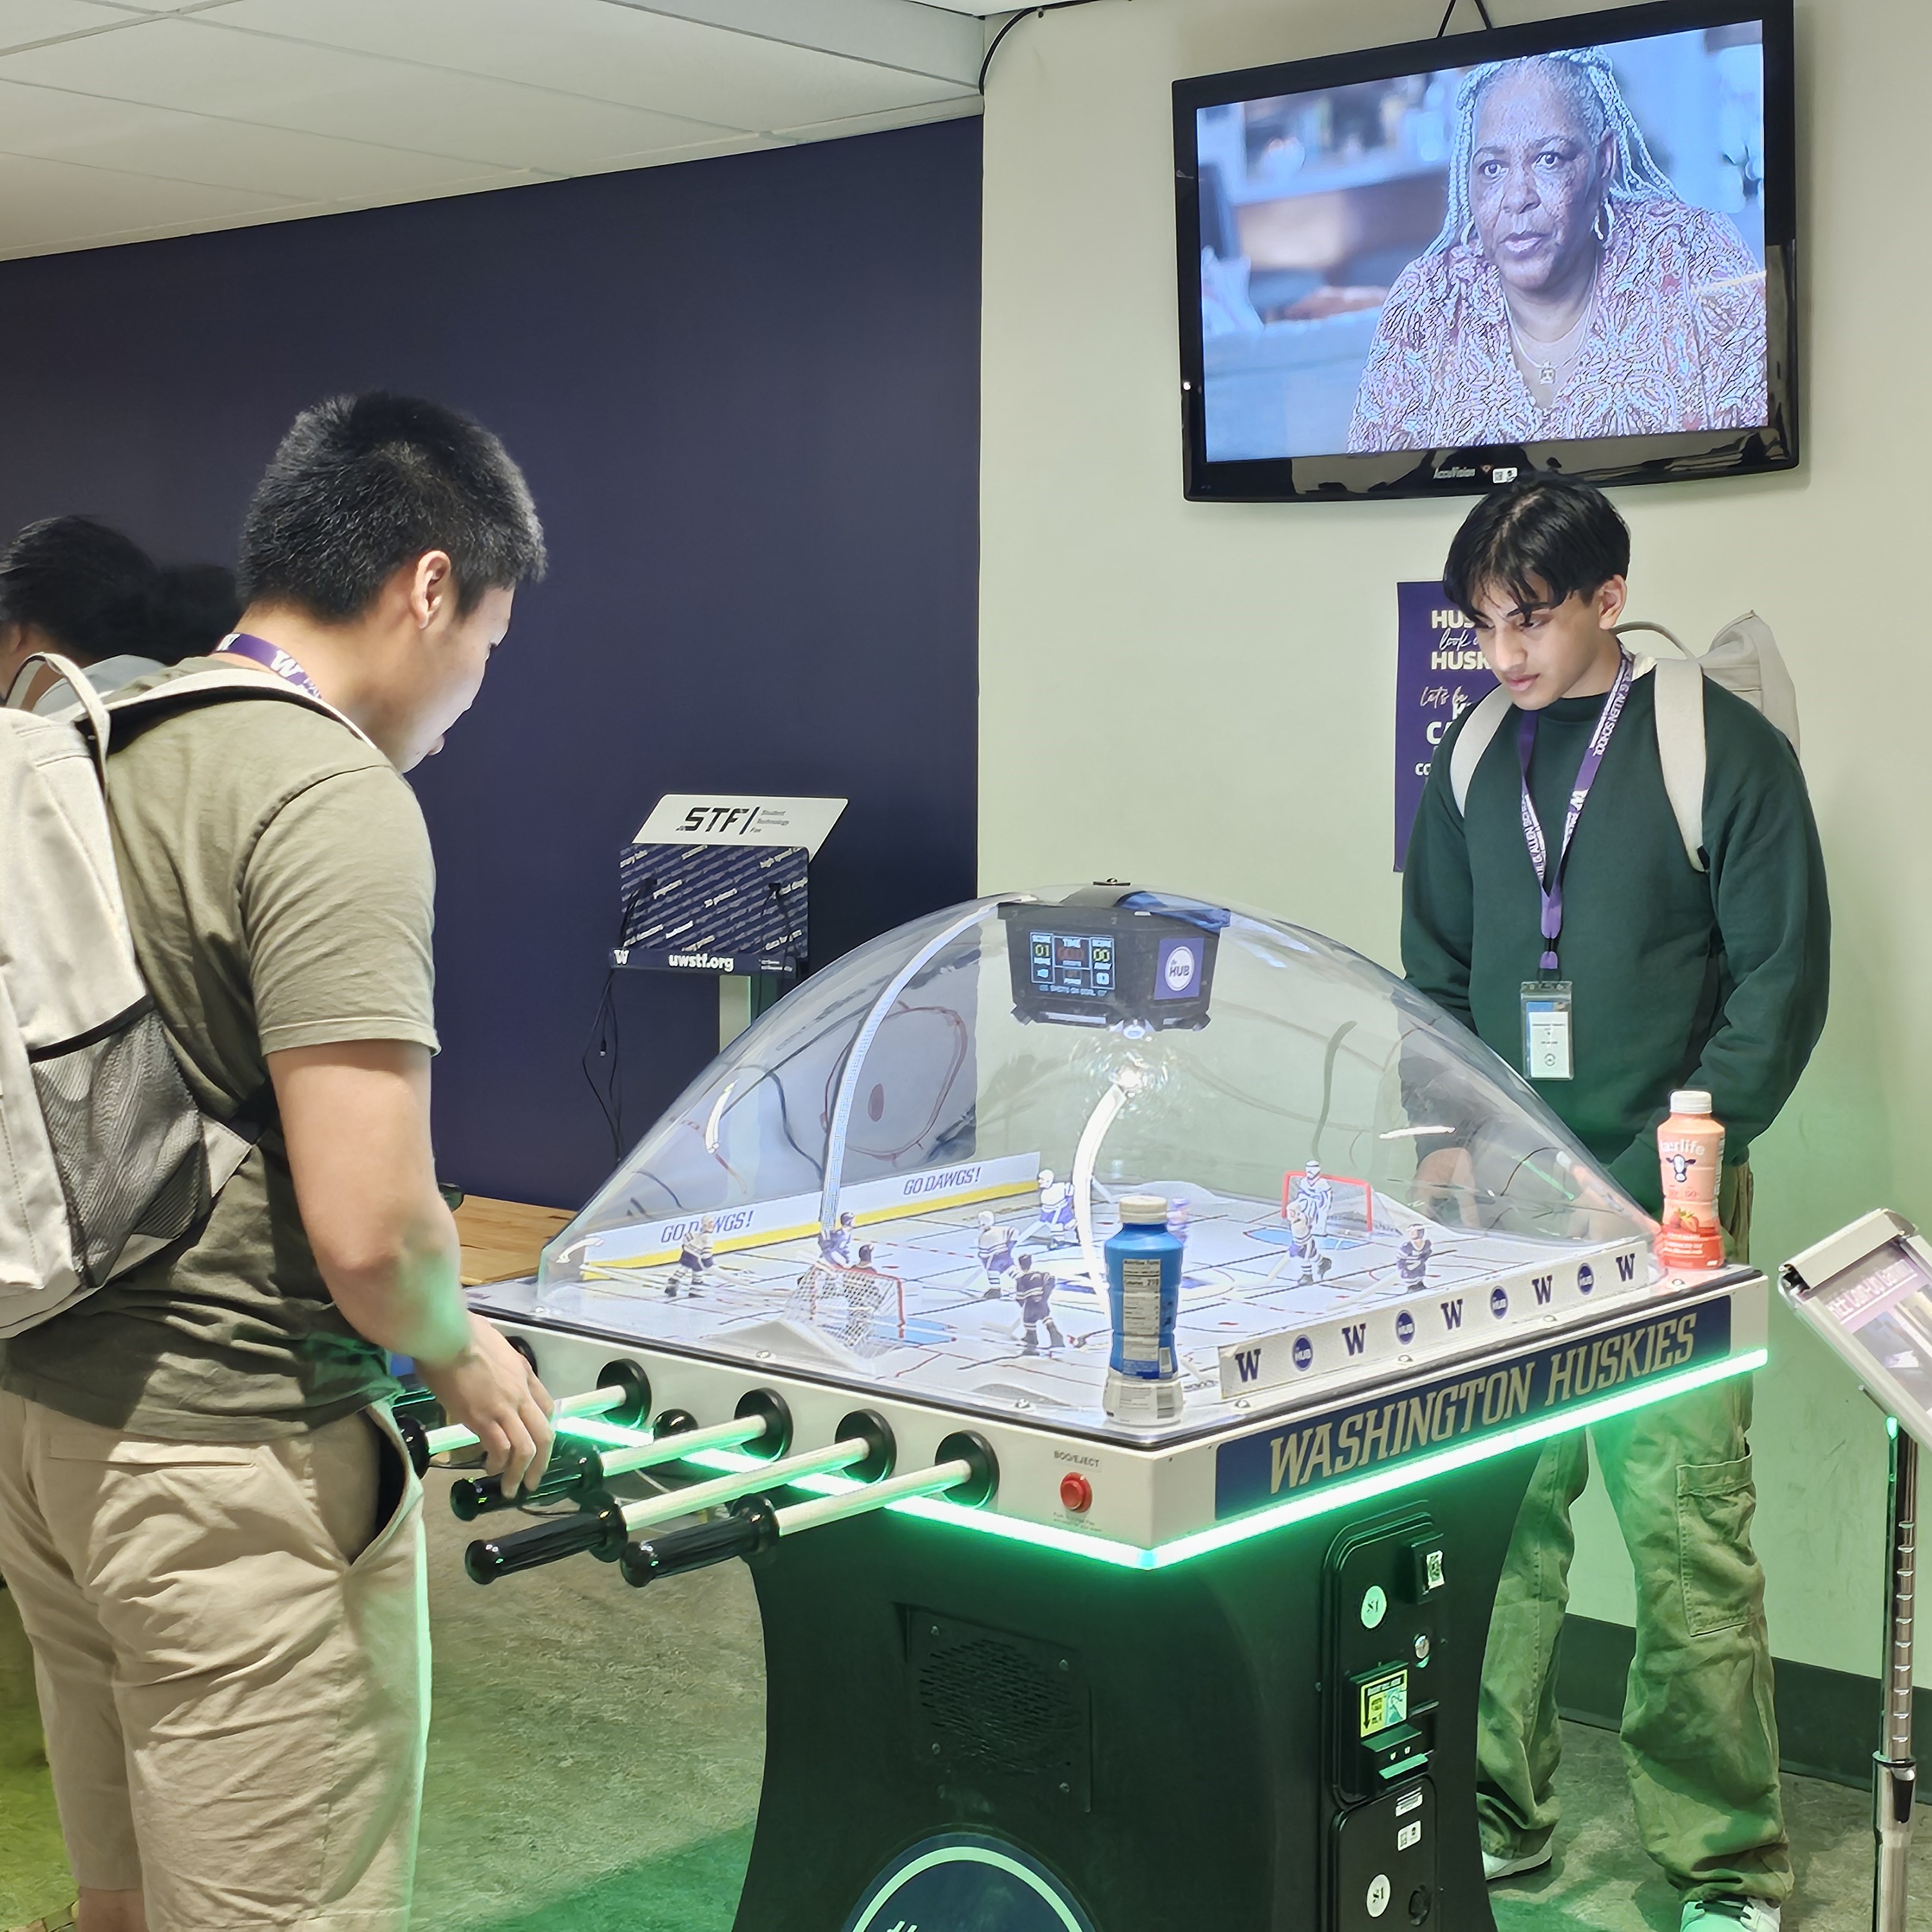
1546	1029
1548	1047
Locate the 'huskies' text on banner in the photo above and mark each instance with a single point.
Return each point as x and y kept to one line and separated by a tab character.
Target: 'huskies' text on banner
1439	673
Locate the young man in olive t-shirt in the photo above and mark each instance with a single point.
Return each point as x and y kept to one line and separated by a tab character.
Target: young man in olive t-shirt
1680	978
205	1516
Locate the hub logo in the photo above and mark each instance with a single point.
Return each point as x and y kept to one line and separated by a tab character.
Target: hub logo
1586	1278
1304	1352
1178	969
1404	1328
1498	1303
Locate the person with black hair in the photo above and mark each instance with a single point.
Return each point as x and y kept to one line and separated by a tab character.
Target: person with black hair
1677	978
206	1516
73	585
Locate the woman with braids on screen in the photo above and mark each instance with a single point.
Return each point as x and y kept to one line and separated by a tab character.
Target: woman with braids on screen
1572	292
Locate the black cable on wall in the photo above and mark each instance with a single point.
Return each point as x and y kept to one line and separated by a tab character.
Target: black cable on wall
1049	7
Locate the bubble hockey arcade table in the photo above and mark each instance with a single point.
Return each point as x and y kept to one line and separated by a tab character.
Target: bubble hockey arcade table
1032	1667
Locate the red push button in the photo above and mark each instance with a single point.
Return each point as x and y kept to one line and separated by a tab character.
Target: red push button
1076	1492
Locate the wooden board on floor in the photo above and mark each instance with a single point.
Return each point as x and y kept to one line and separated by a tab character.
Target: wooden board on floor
503	1238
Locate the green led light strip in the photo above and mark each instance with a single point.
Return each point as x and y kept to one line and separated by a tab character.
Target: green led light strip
1258	1523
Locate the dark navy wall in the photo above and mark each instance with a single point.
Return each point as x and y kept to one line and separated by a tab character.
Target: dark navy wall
746	393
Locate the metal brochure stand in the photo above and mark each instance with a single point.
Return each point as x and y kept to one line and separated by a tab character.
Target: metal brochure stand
1867	1291
1894	1775
718	884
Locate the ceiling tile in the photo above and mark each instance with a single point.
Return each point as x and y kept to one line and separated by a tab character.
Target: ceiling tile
57	125
22	22
611	53
874	123
705	151
888	33
53	204
199	68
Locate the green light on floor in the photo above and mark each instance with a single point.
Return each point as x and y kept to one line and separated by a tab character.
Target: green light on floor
1200	1543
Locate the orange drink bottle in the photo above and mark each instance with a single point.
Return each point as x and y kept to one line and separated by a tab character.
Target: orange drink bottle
1691	1145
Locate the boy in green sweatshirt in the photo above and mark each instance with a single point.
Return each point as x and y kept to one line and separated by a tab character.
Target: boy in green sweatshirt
1678	978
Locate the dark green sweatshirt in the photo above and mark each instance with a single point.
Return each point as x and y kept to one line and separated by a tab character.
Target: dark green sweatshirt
1682	978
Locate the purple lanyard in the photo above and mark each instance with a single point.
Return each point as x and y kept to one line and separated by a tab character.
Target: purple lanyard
1549	876
270	657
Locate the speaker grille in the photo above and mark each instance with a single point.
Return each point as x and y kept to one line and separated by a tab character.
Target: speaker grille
989	1704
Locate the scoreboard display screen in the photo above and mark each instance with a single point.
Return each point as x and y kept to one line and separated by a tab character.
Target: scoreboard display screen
1079	964
1123	957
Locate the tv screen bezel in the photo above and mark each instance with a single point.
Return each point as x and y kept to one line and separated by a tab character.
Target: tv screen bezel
1674	456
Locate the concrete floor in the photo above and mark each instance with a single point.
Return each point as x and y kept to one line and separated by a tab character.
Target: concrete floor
596	1753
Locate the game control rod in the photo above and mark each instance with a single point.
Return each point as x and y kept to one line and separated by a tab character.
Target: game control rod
864	1447
855	1451
966	1472
576	1469
593	1402
623	1392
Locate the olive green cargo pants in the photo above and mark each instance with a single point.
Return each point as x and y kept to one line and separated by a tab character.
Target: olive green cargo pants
1700	1735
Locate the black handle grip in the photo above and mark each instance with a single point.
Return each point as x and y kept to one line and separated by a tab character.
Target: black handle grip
409	1427
751	1526
544	1543
572	1471
416	1400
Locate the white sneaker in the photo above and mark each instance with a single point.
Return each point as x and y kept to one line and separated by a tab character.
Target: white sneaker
1494	1868
1729	1914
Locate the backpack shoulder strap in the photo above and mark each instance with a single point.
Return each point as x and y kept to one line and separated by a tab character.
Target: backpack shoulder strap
208	687
1472	741
1656	630
70	674
1679	688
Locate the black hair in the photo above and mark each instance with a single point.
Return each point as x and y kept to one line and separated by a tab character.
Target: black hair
363	484
97	594
1540	540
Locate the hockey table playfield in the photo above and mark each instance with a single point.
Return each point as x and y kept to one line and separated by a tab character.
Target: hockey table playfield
1064	1670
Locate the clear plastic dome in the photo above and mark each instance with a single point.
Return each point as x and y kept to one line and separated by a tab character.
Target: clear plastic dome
855	1185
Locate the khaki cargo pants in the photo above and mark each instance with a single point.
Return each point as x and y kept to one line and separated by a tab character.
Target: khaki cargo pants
233	1656
1700	1735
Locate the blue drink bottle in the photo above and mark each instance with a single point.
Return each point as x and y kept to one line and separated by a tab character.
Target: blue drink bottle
1143	1297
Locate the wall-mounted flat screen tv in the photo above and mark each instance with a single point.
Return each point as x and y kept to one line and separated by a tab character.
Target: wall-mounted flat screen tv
1430	268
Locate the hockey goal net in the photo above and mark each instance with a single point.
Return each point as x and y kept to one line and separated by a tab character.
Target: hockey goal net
1351	1202
863	1307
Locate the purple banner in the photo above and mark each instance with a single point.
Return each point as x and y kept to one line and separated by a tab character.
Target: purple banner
1439	673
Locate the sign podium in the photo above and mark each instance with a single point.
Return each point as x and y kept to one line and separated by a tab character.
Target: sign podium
716	883
1866	1292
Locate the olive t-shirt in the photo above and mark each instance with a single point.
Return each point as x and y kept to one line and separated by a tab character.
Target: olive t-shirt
279	884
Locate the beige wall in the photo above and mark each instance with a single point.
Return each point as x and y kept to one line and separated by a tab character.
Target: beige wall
1202	695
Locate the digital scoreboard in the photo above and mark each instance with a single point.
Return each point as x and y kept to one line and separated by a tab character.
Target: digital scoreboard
1110	956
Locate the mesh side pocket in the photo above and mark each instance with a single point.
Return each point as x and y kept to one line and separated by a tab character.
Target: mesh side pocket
126	1139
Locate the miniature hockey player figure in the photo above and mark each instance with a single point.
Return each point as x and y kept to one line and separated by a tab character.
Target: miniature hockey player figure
835	1244
1056	1209
1033	1292
1302	1245
996	1255
864	1288
1412	1258
695	1260
1315	1196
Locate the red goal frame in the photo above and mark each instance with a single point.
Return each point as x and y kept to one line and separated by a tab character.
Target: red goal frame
1295	1174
